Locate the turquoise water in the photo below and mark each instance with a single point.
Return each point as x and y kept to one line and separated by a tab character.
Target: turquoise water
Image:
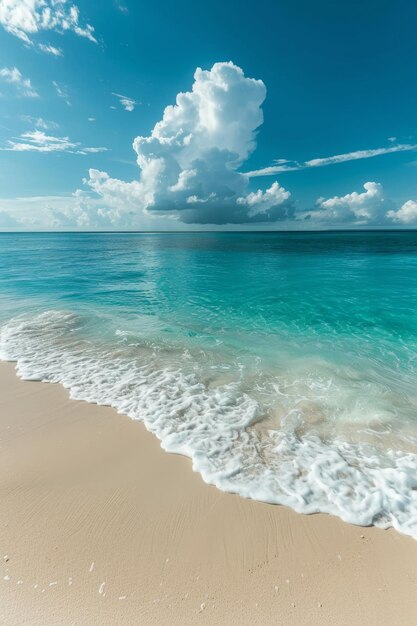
284	364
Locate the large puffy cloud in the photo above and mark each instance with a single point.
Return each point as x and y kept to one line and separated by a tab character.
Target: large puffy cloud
189	163
407	214
368	207
25	18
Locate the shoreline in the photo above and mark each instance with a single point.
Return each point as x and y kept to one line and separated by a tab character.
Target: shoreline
101	526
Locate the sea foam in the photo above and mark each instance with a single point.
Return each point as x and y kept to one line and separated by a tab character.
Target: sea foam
218	427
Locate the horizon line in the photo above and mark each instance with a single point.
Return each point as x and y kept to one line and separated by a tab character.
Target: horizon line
192	232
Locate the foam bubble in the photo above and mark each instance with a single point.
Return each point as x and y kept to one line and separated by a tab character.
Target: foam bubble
218	427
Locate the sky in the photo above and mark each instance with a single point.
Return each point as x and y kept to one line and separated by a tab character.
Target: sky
143	115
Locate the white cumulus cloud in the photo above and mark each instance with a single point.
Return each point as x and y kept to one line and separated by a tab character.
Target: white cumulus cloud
357	208
261	202
77	211
23	85
26	18
406	214
189	162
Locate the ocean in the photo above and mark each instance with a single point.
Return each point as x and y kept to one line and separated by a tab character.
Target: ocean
283	364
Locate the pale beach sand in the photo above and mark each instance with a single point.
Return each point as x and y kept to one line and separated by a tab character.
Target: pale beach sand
98	525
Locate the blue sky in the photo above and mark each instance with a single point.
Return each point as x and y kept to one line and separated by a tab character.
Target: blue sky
337	79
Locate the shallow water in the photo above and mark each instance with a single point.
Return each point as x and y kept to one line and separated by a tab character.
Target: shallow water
284	365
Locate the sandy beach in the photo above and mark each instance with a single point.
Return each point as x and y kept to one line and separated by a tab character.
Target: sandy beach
98	525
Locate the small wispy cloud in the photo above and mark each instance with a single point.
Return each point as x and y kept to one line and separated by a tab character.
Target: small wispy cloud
121	7
62	92
283	165
360	154
56	52
23	85
39	122
127	103
38	141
